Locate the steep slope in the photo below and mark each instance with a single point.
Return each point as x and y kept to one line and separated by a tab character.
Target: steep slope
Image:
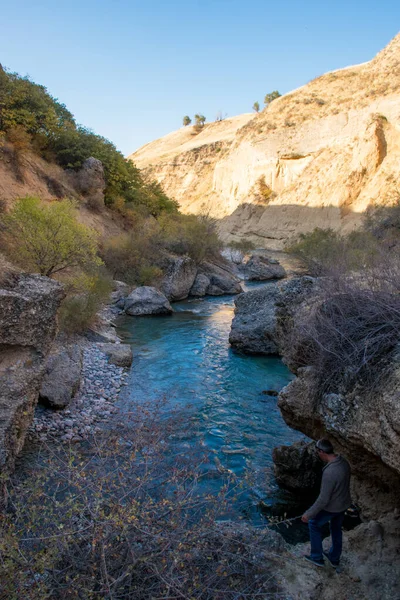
317	156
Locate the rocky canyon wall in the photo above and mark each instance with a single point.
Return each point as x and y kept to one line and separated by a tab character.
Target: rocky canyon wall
316	157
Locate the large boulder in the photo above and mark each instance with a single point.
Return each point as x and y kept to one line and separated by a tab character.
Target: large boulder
28	305
297	468
118	354
253	329
263	268
120	292
62	376
91	183
200	285
28	308
222	280
147	300
180	273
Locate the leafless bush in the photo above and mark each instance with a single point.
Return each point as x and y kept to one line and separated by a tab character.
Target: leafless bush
125	517
349	330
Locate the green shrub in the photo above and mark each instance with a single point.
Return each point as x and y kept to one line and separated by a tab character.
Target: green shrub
86	294
325	251
29	115
132	256
47	238
194	235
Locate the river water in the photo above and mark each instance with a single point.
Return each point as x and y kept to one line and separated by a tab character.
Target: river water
186	359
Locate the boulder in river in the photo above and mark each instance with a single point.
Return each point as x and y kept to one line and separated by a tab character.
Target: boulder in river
263	268
222	280
180	273
200	285
253	329
147	300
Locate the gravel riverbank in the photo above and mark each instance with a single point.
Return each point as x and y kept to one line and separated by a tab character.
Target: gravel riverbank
101	383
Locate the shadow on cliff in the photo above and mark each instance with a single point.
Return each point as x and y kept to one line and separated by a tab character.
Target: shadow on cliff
274	224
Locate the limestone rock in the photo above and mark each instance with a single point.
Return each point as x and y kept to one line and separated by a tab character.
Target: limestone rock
28	304
200	285
180	273
28	307
120	291
222	280
118	354
147	300
297	468
263	268
253	329
62	376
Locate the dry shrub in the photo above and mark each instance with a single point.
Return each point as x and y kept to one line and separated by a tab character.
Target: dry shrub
124	517
348	331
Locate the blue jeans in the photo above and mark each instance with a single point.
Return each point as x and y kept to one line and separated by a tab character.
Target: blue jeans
335	522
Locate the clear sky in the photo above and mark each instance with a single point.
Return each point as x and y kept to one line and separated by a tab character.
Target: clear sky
130	70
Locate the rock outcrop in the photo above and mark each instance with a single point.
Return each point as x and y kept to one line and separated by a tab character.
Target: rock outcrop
362	427
180	273
297	468
263	268
264	317
28	307
254	326
316	157
91	183
147	300
221	280
363	424
200	285
62	376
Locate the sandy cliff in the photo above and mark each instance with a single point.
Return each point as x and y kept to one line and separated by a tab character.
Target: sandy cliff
317	156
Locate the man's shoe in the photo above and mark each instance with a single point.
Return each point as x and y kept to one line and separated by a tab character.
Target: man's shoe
333	563
318	562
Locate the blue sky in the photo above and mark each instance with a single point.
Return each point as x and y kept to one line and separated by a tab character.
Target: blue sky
131	70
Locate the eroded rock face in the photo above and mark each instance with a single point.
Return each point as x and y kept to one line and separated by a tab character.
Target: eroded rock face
28	307
253	329
365	429
263	268
91	182
222	280
147	300
62	376
180	273
297	468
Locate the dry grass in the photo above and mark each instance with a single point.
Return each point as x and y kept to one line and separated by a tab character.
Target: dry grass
334	92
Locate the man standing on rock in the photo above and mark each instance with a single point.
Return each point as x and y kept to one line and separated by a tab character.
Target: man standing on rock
330	506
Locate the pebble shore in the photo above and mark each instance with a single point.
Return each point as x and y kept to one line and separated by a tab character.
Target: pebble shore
101	383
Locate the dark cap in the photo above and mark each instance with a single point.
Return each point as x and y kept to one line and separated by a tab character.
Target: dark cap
325	446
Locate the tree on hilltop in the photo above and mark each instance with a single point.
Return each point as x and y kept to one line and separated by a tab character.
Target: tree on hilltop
199	120
187	120
271	97
256	107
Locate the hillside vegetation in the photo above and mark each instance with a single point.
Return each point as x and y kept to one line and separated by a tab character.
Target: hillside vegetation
32	120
